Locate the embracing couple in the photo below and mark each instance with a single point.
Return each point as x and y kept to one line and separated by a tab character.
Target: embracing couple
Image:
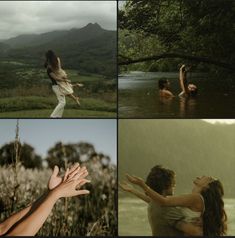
199	213
61	86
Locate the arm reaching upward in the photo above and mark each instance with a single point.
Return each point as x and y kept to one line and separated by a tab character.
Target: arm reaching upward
16	220
183	81
192	201
127	188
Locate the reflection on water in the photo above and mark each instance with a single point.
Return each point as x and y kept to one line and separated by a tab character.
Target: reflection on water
139	97
133	221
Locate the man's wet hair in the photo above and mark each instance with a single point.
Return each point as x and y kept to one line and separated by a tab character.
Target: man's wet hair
162	83
160	179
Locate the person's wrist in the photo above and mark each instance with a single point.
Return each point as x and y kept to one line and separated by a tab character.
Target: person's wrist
55	193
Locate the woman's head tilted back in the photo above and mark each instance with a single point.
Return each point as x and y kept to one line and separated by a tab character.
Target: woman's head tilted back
161	180
52	60
214	216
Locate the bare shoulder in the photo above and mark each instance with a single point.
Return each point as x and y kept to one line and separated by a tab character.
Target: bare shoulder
166	93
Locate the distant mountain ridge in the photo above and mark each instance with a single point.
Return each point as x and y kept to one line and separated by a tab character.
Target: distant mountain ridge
90	49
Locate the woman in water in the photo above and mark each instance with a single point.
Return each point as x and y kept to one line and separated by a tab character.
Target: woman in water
187	89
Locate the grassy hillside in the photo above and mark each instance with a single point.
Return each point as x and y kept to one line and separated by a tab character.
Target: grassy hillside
190	147
26	92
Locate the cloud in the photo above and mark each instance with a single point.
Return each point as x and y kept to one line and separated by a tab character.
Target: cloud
220	121
25	17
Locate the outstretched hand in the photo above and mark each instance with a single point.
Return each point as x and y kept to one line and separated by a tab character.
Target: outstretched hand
70	184
74	171
71	187
135	180
126	187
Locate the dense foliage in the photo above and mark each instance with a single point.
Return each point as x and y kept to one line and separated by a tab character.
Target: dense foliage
195	28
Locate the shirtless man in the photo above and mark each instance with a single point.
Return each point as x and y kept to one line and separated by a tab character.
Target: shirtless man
164	88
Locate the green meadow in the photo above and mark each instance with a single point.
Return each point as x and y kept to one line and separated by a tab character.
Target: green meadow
26	92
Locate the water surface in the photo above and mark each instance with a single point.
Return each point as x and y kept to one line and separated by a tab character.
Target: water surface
133	220
139	97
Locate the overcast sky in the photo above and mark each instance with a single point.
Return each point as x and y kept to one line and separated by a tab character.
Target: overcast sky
44	133
25	17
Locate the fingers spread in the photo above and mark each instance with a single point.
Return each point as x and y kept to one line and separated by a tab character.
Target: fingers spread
82	192
80	183
66	174
76	171
80	174
74	167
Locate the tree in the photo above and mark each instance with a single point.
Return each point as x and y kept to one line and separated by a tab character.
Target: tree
27	155
197	28
61	154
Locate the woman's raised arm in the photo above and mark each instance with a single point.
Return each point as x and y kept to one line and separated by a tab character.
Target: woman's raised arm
192	201
127	188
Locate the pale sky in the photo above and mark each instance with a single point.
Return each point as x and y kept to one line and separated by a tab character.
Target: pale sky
44	133
220	121
26	17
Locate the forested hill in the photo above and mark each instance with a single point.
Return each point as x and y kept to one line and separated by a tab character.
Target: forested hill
90	49
189	147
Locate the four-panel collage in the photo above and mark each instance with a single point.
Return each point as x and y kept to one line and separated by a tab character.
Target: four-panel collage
117	118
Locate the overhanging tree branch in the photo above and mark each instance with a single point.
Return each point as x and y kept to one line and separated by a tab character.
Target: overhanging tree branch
126	61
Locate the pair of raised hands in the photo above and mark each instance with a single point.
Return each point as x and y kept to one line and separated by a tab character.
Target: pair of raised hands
133	180
69	185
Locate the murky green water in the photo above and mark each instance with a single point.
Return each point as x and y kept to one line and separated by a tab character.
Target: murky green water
133	221
139	97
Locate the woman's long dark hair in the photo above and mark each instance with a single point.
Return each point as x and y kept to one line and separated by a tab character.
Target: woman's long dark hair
214	216
52	60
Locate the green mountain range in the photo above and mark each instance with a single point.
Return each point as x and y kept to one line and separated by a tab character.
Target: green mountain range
189	147
90	49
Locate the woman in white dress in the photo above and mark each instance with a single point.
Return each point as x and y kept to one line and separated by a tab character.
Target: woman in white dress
55	72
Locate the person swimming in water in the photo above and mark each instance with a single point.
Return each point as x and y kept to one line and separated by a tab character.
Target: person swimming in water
164	88
187	89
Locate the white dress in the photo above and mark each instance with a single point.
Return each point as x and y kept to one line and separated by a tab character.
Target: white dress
65	87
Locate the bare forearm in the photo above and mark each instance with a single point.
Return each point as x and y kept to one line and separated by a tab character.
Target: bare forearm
16	217
181	81
36	218
154	195
140	195
13	219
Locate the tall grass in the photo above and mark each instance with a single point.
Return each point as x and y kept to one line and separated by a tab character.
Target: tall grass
91	215
94	214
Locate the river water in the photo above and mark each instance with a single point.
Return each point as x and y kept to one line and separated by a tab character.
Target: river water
133	221
139	97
